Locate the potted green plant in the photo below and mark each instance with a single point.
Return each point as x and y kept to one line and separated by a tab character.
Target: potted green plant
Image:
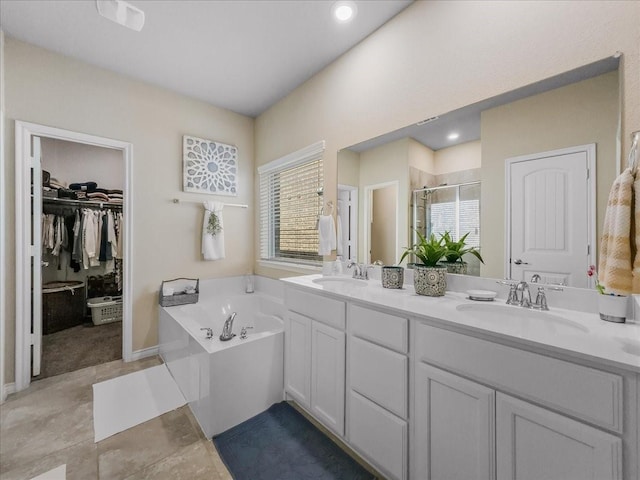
429	278
455	251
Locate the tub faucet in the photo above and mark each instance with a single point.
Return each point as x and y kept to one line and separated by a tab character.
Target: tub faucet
228	326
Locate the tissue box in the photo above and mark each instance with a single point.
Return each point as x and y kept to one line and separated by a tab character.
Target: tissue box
179	297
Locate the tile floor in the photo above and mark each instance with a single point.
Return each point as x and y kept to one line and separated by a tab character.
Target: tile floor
51	423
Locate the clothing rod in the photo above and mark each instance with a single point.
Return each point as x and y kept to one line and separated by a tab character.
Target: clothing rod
80	203
239	205
446	186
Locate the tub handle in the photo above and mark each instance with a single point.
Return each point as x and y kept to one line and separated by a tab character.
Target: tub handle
243	332
209	332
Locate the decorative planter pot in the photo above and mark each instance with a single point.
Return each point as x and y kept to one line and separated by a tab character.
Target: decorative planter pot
613	308
459	268
392	276
430	281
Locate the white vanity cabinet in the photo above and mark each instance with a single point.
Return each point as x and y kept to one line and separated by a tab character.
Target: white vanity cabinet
468	424
377	389
315	356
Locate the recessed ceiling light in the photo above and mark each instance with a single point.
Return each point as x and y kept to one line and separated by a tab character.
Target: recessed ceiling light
122	13
453	136
344	11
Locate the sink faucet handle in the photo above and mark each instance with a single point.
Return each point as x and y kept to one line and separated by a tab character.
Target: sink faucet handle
243	332
541	300
209	332
512	298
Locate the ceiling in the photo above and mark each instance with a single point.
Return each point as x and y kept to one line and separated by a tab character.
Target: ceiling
237	54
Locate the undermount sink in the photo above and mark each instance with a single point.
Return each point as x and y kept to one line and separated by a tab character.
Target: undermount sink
340	282
523	318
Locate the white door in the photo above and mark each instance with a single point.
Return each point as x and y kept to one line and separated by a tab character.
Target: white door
347	222
36	258
536	444
551	216
297	358
455	427
328	375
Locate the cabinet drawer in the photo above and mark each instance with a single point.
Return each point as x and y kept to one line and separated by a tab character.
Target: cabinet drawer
379	327
379	435
326	310
379	374
584	392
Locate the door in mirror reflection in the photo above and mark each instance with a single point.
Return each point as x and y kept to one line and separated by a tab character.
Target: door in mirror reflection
382	208
551	213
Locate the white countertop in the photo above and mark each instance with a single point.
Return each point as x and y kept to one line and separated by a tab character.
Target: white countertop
577	334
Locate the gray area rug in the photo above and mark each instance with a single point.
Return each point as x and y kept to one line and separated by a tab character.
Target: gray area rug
79	347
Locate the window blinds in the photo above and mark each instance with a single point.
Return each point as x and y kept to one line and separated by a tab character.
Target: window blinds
290	202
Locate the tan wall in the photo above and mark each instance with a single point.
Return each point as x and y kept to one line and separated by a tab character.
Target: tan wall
50	89
387	163
421	157
383	238
435	57
349	168
74	162
460	157
578	114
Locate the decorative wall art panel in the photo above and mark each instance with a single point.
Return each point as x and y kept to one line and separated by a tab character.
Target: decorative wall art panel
209	167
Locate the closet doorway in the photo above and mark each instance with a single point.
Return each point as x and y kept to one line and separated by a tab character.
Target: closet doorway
55	251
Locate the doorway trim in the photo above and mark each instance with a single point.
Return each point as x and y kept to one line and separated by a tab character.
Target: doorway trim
368	199
590	151
24	131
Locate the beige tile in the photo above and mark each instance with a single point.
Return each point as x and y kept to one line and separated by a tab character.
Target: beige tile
194	462
40	402
129	452
217	460
81	461
28	441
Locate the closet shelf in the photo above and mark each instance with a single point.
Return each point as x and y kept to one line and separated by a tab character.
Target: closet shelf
80	203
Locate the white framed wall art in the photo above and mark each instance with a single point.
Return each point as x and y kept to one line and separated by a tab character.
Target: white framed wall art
209	167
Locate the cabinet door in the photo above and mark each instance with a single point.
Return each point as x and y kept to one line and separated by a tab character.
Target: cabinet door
378	435
327	376
297	359
536	444
454	427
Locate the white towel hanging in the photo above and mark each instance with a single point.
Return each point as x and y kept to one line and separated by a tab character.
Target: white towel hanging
213	245
326	235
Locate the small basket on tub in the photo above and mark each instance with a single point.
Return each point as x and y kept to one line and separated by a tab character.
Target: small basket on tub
179	291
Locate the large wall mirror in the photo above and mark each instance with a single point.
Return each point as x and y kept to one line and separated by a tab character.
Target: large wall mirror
527	174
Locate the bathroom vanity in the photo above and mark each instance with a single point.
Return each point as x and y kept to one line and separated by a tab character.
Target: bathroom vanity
446	388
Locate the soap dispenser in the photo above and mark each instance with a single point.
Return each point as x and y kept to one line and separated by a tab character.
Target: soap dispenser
337	268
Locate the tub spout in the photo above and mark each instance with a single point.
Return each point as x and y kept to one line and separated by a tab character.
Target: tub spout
228	326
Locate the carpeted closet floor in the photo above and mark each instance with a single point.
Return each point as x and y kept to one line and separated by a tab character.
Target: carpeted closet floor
80	347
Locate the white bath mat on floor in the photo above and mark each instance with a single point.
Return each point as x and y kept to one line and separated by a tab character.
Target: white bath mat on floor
127	401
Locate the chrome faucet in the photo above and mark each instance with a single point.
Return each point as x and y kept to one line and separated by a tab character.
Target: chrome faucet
360	270
535	278
226	330
524	297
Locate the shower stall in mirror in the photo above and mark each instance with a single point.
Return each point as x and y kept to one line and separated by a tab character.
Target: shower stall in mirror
449	208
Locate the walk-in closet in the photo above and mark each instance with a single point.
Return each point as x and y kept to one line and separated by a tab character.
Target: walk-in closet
82	232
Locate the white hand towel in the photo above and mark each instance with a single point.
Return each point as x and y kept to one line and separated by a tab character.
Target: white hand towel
326	235
213	245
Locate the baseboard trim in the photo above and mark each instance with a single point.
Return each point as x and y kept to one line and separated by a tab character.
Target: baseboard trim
144	353
6	390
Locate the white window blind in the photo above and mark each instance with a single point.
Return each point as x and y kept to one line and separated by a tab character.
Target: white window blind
290	201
